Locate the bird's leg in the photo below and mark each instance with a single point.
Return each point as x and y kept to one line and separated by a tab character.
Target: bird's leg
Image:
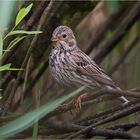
78	100
124	100
66	105
63	106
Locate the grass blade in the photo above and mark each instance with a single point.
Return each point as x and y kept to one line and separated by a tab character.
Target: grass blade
1	46
6	66
23	32
29	118
22	13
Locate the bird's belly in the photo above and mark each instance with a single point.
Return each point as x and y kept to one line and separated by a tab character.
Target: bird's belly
63	78
68	77
59	75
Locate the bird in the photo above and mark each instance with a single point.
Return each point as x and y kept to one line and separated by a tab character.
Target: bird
70	66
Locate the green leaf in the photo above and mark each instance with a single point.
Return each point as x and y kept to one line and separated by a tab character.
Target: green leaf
1	97
29	118
11	69
112	6
13	43
23	32
35	131
138	26
6	66
1	46
6	50
22	13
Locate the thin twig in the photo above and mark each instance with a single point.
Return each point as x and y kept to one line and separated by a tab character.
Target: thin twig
122	113
99	116
41	22
64	127
131	17
105	27
124	55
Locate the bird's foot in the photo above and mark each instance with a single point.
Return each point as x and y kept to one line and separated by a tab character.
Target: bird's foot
78	101
124	100
62	107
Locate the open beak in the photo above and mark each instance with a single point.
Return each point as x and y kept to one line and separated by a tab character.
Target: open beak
55	39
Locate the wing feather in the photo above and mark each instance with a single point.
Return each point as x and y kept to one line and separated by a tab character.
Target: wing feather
86	66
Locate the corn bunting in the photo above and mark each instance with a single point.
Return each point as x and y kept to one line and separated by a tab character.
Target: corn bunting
72	67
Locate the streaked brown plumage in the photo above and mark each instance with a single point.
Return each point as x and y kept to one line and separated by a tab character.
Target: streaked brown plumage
72	67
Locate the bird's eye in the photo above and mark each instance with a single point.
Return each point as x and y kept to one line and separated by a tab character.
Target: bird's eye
64	35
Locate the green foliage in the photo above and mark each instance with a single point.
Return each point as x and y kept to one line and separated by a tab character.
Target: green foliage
23	32
112	6
1	46
22	13
0	96
13	43
138	26
7	67
20	16
35	130
6	9
29	118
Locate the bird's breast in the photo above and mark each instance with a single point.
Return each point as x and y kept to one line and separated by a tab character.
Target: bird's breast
56	64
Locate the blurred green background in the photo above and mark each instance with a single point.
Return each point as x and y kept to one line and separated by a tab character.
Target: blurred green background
88	19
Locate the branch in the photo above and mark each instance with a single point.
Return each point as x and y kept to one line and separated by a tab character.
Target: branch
125	112
131	17
100	116
37	77
85	103
123	93
124	127
41	22
102	92
36	15
112	134
125	54
106	26
64	127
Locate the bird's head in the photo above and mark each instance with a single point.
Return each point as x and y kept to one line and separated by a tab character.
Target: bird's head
63	38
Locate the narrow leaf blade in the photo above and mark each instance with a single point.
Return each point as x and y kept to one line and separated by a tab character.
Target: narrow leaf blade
11	69
22	13
29	118
15	41
6	66
1	46
28	8
23	32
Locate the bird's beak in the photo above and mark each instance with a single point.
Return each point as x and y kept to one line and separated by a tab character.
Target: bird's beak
55	39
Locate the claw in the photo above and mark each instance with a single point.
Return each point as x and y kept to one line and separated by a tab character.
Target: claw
62	107
75	102
79	101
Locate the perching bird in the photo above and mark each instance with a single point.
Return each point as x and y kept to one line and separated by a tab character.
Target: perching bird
72	67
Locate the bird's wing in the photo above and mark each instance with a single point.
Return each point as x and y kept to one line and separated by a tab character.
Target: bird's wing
86	66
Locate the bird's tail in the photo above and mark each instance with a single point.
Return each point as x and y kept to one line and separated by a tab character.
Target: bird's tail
124	100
